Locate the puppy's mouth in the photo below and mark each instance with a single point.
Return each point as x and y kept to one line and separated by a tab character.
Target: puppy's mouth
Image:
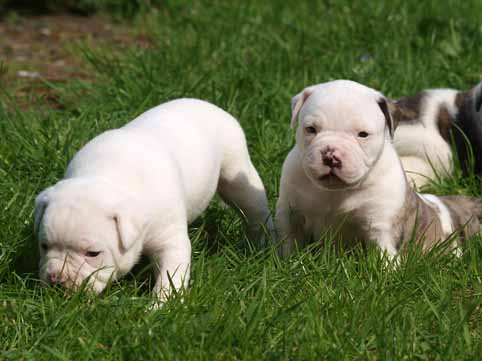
329	177
332	180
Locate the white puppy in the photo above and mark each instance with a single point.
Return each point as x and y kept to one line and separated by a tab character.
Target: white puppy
344	176
135	189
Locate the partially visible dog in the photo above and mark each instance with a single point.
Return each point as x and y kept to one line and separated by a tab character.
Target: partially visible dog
135	189
429	121
344	175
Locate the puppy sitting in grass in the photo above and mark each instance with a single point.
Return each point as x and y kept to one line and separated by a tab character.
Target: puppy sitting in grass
344	174
135	189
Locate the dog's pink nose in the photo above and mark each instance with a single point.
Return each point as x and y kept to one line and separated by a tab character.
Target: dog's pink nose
54	278
331	158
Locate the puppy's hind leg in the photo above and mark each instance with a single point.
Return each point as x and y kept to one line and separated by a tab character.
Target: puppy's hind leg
240	186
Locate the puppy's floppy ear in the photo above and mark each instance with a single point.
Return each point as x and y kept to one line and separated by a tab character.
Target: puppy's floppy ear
297	102
41	203
389	110
129	223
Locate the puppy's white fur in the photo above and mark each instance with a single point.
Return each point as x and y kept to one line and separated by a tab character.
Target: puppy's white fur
367	186
135	189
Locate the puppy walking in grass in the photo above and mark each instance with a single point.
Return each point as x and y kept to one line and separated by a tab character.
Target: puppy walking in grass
344	175
135	189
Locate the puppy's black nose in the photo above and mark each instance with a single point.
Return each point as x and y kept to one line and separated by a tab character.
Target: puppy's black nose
330	158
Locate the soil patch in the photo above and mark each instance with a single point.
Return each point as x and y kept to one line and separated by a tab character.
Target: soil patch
35	50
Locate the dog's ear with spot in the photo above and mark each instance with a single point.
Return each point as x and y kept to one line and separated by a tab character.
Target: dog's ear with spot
389	110
129	221
297	102
41	204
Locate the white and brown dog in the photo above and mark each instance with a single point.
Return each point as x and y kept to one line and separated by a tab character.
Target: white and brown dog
135	189
428	122
344	176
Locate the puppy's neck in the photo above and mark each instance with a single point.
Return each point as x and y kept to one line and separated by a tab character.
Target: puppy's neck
387	172
380	198
384	189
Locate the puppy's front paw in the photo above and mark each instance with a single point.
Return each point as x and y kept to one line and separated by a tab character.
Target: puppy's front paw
391	261
155	306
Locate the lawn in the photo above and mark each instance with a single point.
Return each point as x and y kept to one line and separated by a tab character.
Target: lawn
250	58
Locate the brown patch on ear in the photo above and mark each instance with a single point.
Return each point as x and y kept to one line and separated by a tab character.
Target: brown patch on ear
408	108
389	111
444	123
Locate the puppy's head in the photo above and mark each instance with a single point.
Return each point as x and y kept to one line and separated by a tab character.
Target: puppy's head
342	130
88	231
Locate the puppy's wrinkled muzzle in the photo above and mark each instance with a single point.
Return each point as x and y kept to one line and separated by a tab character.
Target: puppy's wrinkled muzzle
72	275
335	162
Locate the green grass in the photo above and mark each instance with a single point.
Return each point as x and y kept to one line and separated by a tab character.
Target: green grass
248	57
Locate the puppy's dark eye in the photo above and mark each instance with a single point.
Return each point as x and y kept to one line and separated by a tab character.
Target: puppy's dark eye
44	247
92	253
310	130
363	134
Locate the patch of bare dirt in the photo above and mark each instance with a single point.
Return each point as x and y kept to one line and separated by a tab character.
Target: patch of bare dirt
35	49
